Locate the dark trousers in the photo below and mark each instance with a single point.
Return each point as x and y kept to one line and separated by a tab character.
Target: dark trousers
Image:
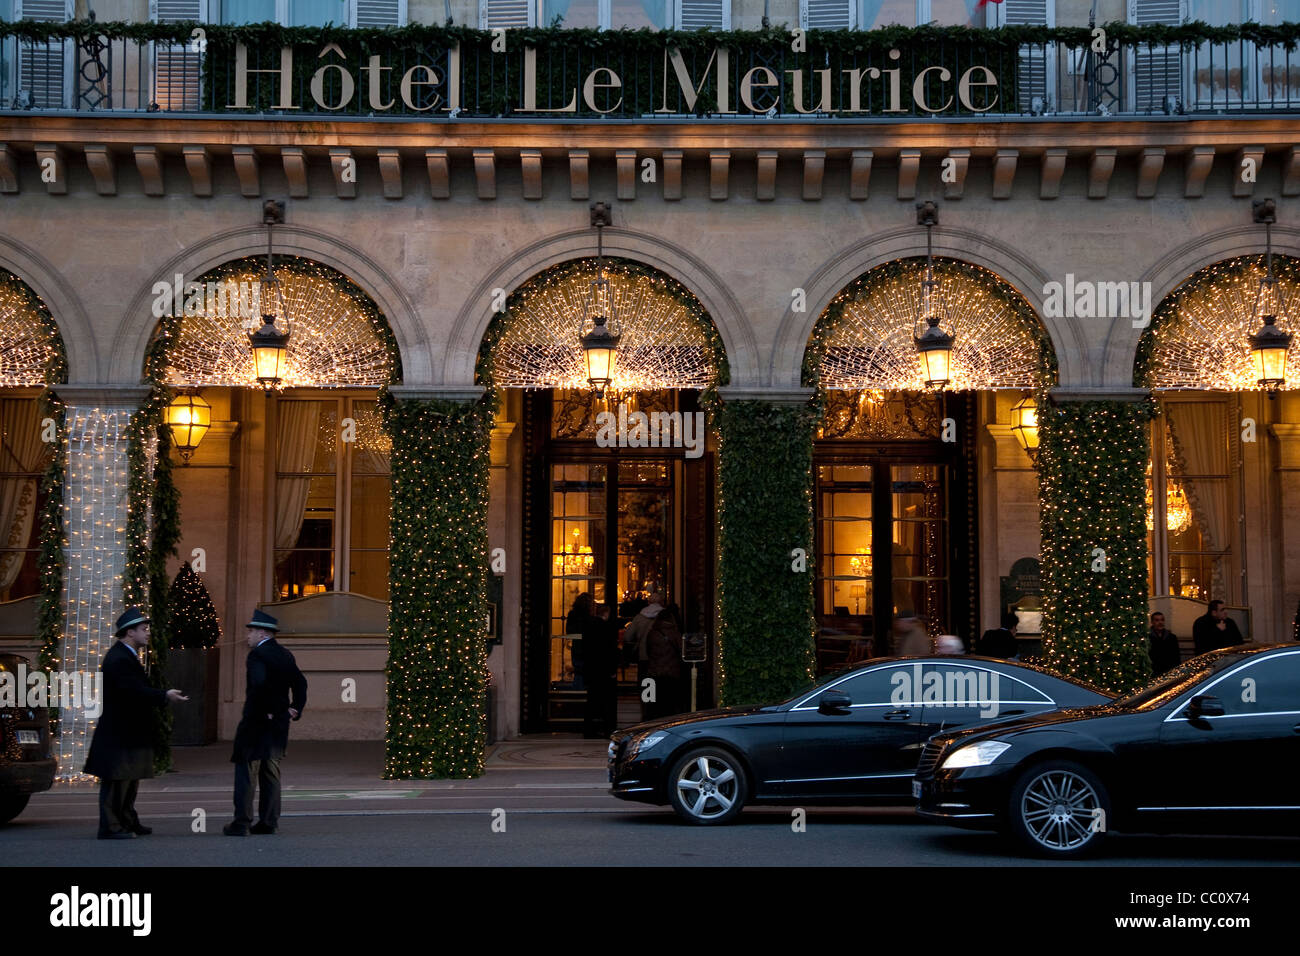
117	806
263	775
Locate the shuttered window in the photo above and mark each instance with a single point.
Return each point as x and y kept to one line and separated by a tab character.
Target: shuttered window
379	13
702	14
828	14
177	66
1036	71
44	69
1157	71
506	13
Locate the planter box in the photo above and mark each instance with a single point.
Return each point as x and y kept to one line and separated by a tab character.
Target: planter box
194	722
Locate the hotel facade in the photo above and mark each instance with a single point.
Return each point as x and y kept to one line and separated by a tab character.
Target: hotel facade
1093	225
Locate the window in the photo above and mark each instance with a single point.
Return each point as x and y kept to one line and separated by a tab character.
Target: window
23	457
875	686
607	14
870	14
310	13
1274	687
331	507
42	68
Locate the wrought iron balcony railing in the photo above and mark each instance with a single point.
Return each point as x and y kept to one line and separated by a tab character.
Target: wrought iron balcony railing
449	73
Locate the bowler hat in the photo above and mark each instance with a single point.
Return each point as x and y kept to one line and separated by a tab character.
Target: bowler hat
263	620
129	619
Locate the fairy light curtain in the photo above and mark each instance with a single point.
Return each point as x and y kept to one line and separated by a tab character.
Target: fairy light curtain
664	339
338	337
27	344
865	339
1199	333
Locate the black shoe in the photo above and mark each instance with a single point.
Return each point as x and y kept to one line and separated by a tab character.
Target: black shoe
141	830
117	835
235	829
261	828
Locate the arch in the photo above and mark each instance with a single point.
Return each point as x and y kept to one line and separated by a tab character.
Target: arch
1176	267
70	318
717	300
795	332
133	336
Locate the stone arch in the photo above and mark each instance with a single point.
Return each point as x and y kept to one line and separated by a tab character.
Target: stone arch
1176	267
691	272
64	305
908	242
133	336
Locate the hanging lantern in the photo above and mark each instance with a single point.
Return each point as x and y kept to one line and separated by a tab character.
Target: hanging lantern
189	417
934	345
600	341
270	346
1024	424
1268	346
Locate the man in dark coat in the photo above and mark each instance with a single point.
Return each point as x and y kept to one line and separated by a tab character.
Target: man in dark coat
1000	641
263	732
1163	646
121	751
1215	629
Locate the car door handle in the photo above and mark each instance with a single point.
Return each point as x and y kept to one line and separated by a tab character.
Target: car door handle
1296	728
898	715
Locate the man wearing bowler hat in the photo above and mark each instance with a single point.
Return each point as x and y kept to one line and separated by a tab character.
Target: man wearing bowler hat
263	732
121	751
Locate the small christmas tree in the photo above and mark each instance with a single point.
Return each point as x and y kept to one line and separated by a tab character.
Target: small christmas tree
194	623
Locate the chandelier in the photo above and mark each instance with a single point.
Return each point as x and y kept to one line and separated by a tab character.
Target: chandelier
576	562
1178	513
860	563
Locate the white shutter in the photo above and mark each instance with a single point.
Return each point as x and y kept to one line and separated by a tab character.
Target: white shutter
506	13
702	14
1156	71
177	66
378	13
44	68
1036	71
828	14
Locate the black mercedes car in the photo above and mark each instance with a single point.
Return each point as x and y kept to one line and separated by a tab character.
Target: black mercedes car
27	762
1210	747
853	738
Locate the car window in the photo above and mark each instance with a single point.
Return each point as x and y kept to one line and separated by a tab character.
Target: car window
955	685
1265	685
1168	686
872	686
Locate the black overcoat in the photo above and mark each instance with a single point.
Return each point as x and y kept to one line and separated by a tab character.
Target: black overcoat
122	747
273	675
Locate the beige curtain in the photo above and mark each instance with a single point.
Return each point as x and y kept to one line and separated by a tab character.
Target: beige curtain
297	432
21	450
1200	438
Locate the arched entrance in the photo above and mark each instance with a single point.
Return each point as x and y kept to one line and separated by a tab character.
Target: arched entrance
897	476
616	488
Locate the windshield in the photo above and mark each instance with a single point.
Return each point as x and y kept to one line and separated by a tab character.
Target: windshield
1168	686
820	682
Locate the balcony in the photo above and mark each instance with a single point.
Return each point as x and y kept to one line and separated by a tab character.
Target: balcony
449	74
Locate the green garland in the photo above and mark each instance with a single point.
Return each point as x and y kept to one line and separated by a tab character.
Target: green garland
437	671
766	629
1092	459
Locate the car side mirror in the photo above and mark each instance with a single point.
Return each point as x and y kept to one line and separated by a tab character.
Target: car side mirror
1203	705
834	703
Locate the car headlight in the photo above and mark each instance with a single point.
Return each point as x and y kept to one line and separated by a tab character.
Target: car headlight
975	755
641	744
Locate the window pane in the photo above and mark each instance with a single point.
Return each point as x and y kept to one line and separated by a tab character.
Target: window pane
317	13
635	14
956	13
883	14
372	449
577	14
247	11
920	546
577	538
23	458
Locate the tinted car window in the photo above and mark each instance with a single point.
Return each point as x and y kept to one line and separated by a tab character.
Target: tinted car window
873	686
1164	688
1263	686
954	683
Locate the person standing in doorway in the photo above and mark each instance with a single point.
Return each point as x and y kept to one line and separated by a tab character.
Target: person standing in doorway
1163	646
663	644
263	732
1215	629
634	641
121	751
1000	642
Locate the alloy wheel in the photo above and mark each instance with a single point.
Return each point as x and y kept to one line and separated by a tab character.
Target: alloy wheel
1060	810
707	787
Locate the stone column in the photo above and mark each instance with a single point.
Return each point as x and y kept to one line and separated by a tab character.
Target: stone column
97	432
766	560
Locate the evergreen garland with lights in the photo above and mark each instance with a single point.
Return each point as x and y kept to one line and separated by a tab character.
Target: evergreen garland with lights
1092	459
437	669
766	627
193	622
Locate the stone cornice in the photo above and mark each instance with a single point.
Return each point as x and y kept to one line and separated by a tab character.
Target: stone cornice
103	396
1103	394
444	393
766	393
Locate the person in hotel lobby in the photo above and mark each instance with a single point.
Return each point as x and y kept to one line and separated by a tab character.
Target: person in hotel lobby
121	751
1215	629
1001	641
263	732
1163	646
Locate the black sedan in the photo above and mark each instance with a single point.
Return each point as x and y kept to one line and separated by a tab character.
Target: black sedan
1210	747
26	759
854	738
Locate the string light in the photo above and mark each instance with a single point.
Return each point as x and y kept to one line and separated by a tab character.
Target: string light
26	341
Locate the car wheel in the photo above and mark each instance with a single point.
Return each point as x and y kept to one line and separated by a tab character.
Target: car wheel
1059	809
12	805
707	786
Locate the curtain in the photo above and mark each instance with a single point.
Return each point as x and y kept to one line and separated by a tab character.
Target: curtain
299	426
247	11
21	450
1200	439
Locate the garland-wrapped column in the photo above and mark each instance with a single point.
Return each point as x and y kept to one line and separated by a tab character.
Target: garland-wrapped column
1092	459
96	500
766	628
438	562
